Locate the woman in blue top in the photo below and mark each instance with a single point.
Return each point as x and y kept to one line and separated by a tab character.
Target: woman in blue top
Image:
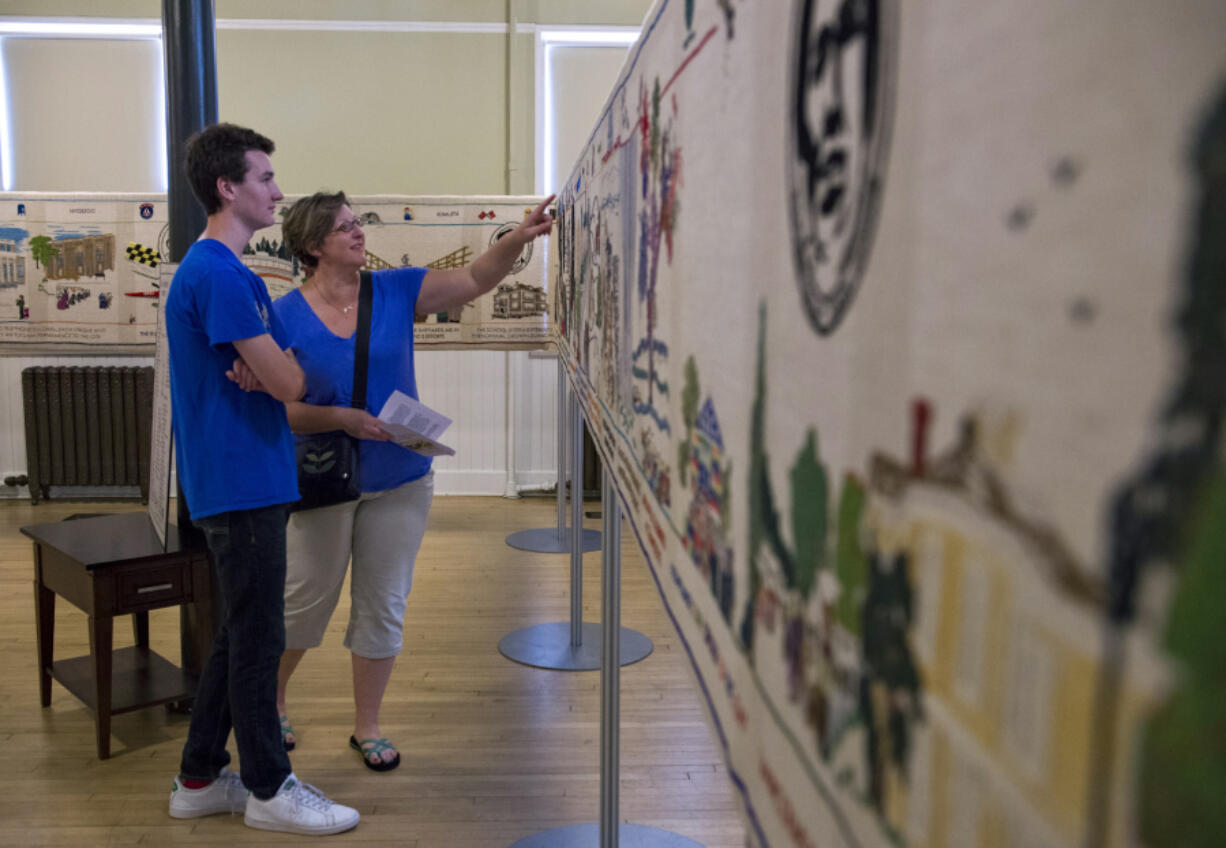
381	531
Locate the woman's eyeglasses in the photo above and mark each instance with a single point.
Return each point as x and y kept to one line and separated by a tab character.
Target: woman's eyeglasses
349	226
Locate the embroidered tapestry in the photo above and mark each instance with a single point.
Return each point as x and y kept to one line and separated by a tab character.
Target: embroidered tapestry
902	332
79	272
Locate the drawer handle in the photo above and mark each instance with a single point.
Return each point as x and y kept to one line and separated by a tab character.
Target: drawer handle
161	587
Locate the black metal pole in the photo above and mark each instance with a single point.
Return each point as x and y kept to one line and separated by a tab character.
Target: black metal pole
189	42
188	38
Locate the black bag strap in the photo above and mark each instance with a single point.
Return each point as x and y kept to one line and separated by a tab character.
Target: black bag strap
361	344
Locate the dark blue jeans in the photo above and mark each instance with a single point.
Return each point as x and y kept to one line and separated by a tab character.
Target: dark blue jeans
238	686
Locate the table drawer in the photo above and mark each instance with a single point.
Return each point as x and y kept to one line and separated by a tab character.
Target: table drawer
162	586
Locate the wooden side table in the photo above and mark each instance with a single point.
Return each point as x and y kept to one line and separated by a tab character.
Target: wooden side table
112	565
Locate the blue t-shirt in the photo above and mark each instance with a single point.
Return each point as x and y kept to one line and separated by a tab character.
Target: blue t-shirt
327	361
235	450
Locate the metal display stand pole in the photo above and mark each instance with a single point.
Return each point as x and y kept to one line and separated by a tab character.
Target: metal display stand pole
610	832
573	645
189	43
556	540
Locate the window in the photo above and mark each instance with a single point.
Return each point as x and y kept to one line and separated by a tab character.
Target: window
81	109
570	65
929	578
972	631
1028	693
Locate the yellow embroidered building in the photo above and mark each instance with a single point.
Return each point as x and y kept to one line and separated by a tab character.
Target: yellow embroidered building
87	256
1009	636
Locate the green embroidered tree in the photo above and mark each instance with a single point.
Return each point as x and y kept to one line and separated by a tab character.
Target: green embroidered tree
763	517
809	514
1174	512
689	415
43	250
1184	753
890	686
757	473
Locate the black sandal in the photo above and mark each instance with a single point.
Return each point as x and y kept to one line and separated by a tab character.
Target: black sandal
375	747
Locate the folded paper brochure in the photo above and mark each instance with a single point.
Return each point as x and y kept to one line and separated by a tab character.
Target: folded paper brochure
414	425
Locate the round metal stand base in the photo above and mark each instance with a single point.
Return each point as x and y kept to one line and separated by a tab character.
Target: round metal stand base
548	646
547	540
588	835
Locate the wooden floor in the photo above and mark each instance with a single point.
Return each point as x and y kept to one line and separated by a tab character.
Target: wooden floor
492	751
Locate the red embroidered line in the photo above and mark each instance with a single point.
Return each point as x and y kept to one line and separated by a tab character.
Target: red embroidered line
621	142
711	32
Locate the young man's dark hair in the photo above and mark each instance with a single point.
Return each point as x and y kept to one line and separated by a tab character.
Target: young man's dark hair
218	152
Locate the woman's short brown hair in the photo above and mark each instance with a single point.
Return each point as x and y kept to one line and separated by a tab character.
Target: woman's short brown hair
309	221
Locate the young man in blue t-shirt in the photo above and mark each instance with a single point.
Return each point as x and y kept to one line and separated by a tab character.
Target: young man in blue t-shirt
237	469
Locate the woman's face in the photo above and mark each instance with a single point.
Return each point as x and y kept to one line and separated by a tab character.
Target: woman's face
346	243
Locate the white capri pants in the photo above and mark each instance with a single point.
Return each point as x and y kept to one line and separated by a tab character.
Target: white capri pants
383	532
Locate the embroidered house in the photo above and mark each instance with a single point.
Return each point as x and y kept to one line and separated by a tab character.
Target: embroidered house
1007	639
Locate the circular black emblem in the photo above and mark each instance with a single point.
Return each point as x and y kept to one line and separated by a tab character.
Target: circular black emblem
164	243
525	255
840	120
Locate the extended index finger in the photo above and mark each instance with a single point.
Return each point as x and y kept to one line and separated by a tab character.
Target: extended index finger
542	206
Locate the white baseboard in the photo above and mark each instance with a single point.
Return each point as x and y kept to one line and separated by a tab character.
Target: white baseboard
469	482
473	482
548	477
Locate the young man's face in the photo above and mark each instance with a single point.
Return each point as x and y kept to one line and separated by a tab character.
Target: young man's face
255	198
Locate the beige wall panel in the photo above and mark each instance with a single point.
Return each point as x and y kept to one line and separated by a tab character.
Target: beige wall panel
65	92
83	8
608	12
360	10
371	113
521	116
388	10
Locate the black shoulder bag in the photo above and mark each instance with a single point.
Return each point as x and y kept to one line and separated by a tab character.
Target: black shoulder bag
329	467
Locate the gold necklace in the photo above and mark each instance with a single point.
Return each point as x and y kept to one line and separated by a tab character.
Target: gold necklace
343	310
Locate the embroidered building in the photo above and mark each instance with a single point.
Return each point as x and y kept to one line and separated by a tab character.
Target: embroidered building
516	300
1008	639
12	265
88	256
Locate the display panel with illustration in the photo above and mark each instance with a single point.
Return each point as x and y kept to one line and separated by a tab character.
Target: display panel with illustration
79	272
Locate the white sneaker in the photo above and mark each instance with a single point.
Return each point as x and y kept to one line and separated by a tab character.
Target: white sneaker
299	808
226	794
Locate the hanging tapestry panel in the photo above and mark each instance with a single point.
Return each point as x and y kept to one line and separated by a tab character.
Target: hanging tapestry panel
901	333
79	272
